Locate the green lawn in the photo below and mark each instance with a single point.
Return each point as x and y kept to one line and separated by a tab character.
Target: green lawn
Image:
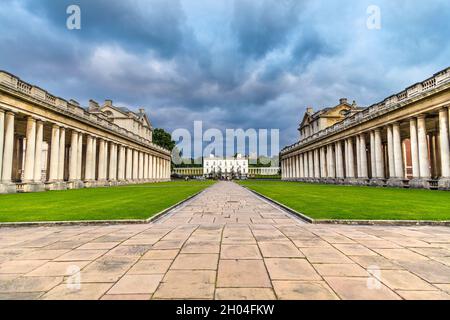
115	203
320	201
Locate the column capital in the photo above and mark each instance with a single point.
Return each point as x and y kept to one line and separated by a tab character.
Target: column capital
55	126
421	116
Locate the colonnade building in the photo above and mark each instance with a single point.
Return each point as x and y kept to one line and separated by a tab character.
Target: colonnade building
48	143
402	141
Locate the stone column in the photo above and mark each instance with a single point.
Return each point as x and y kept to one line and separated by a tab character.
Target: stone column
323	170
62	153
294	168
391	162
300	166
398	152
424	161
141	166
145	166
169	169
358	157
38	152
129	164
121	168
316	164
379	155
8	148
54	154
150	167
351	159
332	162
311	164
414	148
305	165
156	168
112	162
89	158
444	181
135	165
30	150
346	158
116	162
73	157
79	155
373	167
287	168
363	154
339	161
107	157
102	161
94	158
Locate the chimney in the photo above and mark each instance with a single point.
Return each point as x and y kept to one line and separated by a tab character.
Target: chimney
343	101
108	103
141	110
309	110
93	105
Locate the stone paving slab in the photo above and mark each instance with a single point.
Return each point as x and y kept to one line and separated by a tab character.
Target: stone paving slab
226	243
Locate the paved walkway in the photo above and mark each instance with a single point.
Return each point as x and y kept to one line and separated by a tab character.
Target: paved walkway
225	244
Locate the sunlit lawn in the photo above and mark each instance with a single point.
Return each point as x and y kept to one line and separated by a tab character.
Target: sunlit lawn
321	201
114	203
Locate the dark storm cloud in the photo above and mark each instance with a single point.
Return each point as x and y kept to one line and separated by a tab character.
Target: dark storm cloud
243	63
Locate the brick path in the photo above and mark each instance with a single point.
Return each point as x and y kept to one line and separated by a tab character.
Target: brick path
225	244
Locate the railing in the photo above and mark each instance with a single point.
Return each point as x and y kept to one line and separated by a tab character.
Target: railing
42	95
391	103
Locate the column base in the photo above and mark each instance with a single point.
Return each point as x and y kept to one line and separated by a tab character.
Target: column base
351	181
419	183
377	182
90	184
78	184
362	181
56	185
112	183
8	188
339	181
444	184
395	183
330	180
34	187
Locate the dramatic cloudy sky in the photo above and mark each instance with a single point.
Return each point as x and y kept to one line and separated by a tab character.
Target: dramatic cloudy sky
231	63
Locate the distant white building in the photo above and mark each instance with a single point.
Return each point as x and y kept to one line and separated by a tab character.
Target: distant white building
225	167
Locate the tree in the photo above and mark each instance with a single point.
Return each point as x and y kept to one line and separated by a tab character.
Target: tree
163	139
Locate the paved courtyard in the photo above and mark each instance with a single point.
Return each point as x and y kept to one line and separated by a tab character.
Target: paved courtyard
225	244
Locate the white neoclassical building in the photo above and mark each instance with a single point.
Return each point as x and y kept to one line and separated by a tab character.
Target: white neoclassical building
225	167
401	141
48	143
